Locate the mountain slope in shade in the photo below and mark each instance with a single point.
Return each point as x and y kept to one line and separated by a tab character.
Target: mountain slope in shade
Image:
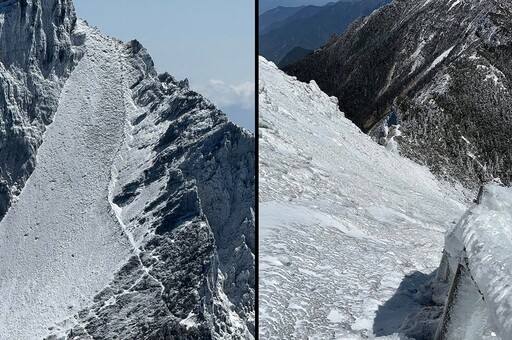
312	26
296	54
349	231
131	197
437	72
275	15
302	12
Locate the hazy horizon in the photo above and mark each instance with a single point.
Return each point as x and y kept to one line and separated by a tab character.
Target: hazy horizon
265	5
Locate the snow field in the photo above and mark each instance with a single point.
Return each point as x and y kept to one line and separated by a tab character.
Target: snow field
61	242
342	219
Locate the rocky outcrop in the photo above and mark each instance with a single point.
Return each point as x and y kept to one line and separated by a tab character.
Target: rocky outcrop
438	70
179	199
194	273
37	52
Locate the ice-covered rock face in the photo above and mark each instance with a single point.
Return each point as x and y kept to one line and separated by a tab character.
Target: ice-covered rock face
36	56
133	209
441	68
481	243
41	30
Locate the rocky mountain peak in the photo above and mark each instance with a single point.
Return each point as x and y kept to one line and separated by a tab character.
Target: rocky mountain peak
126	199
38	50
41	31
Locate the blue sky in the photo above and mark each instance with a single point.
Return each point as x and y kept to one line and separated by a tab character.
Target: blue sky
209	42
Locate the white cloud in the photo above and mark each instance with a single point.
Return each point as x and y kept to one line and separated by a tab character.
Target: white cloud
228	95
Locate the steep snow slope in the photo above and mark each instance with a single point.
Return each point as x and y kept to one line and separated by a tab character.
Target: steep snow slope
37	53
349	230
62	217
137	219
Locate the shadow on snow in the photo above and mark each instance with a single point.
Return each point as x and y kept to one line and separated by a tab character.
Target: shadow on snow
410	311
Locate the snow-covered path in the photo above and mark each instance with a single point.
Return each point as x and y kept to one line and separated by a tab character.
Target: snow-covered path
342	220
60	242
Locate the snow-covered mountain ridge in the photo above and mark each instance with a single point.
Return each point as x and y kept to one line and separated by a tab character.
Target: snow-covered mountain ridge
437	69
350	232
132	196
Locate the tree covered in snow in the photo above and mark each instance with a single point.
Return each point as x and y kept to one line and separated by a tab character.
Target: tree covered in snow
443	68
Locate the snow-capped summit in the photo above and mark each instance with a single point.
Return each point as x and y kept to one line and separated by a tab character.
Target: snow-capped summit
126	199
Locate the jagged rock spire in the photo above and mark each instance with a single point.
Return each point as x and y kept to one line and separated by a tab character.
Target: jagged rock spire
36	33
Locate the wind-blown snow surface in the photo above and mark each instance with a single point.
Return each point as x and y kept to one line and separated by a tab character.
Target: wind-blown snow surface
343	220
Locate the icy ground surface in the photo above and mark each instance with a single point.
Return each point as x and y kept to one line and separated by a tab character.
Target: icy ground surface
342	219
72	241
485	233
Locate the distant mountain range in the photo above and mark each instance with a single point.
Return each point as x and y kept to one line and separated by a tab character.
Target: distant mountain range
308	27
440	71
275	16
265	5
